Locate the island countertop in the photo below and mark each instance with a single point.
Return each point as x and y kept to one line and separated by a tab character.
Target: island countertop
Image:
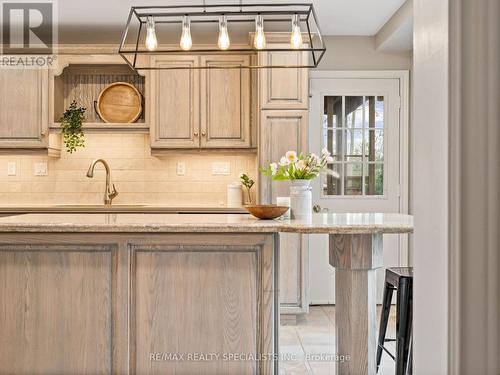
332	223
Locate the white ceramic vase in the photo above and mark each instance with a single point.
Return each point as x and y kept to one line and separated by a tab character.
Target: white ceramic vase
301	199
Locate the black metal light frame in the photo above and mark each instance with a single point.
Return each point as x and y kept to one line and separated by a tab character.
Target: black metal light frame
210	14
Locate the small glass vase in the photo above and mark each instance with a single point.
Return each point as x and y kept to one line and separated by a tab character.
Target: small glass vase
301	199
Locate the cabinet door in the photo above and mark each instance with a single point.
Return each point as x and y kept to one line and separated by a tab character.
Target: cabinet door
225	102
58	318
175	97
24	108
281	131
282	88
294	267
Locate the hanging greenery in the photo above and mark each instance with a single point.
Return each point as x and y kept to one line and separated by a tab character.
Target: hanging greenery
71	125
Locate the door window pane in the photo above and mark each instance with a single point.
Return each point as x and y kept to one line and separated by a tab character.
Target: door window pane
374	112
374	179
354	145
354	111
332	139
374	145
353	179
332	185
332	112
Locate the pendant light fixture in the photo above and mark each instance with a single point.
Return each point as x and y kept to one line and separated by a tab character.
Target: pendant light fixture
186	42
223	41
175	23
296	38
259	41
151	41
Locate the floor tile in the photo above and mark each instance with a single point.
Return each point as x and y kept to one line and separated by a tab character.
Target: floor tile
294	368
309	347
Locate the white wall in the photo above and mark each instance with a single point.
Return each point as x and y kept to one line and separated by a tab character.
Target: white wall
359	53
429	165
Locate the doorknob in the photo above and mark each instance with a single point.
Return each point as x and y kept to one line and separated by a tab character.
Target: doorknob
317	208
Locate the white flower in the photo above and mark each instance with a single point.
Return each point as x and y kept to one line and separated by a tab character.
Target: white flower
274	168
332	173
329	159
301	165
284	161
291	156
325	152
314	158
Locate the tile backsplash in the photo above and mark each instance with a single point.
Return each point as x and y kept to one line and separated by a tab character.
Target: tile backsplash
139	177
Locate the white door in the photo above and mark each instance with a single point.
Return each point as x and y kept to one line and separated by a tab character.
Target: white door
359	120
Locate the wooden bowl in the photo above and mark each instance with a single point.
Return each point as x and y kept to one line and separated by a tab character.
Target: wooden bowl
266	211
119	102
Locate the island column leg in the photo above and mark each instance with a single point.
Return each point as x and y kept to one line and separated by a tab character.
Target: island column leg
356	258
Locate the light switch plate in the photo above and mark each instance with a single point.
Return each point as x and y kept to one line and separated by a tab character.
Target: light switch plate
41	168
221	168
181	168
11	168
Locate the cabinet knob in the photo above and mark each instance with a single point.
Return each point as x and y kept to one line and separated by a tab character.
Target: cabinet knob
203	133
195	133
43	133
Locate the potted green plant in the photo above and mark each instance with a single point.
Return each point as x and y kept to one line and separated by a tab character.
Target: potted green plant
247	182
72	127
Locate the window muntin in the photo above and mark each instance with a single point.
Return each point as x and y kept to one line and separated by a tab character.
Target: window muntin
354	132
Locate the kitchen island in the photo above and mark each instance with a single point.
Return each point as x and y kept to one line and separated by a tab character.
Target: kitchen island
172	293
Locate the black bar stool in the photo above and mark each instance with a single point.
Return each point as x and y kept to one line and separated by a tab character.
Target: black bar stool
398	279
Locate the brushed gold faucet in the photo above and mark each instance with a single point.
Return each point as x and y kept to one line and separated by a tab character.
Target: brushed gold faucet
110	193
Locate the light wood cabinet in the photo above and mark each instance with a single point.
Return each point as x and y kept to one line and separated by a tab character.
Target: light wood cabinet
282	88
281	131
23	102
70	307
225	102
283	126
201	108
57	309
175	99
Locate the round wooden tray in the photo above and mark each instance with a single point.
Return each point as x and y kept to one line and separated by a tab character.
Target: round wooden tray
119	102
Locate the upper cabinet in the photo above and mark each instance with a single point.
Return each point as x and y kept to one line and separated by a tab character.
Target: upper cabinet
24	115
201	108
225	102
175	103
283	88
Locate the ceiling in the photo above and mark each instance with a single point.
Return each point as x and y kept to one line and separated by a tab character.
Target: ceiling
354	17
101	21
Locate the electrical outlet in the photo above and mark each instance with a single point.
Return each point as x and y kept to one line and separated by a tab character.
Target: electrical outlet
221	168
181	168
11	168
41	168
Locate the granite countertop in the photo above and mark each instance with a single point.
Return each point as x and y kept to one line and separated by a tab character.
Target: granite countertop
219	223
123	208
